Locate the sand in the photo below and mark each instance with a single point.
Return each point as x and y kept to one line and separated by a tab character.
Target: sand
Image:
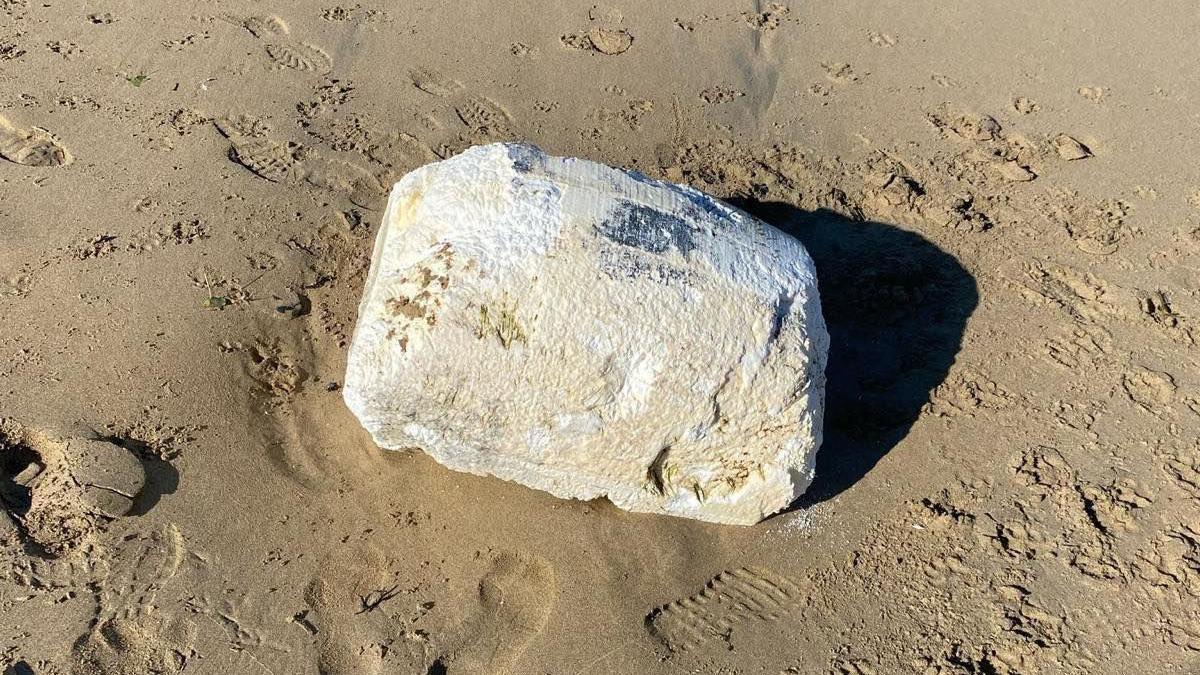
1003	203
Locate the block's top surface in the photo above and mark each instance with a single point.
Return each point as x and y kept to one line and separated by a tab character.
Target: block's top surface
590	331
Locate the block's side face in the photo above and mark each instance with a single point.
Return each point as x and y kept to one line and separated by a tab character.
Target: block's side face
366	359
752	452
802	453
416	265
445	287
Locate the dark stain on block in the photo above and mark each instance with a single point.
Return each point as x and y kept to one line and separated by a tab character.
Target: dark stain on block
647	228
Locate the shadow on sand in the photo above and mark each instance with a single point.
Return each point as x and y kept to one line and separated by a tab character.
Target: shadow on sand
896	306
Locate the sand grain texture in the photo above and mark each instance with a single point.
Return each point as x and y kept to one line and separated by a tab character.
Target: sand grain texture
1005	219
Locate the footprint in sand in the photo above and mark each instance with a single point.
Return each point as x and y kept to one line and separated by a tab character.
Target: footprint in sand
352	616
129	634
147	644
840	73
348	617
57	491
605	35
39	492
361	187
283	50
289	163
483	117
398	150
432	82
138	568
767	19
277	162
604	40
300	56
515	598
267	27
14	286
731	598
881	39
32	147
1094	94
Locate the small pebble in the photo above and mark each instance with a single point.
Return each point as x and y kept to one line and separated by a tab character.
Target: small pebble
1014	172
1070	149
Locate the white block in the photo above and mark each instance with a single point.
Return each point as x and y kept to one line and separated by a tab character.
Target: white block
591	332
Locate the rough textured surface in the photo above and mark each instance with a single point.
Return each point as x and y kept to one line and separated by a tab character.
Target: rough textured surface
591	332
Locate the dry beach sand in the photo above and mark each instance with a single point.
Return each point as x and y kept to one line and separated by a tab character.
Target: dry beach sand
1003	202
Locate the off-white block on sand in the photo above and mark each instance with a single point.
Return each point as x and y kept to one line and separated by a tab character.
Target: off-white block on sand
591	332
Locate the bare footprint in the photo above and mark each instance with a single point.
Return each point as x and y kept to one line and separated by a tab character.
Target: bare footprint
32	147
515	597
349	604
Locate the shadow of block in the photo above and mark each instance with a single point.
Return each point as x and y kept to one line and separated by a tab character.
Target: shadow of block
896	307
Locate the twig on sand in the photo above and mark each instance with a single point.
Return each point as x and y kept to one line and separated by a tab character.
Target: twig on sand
374	599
